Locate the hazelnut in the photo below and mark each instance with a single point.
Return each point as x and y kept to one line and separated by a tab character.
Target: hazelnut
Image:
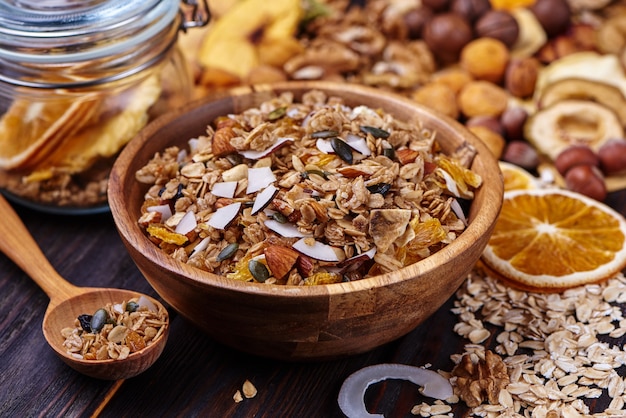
485	59
500	25
480	98
436	5
439	97
470	9
522	154
512	121
612	155
491	139
415	19
521	77
490	122
556	48
446	34
587	180
573	156
554	15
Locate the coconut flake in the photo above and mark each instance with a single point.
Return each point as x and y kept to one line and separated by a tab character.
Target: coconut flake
263	199
450	183
224	215
367	255
458	211
255	155
224	189
202	245
164	210
316	250
259	178
187	223
358	144
324	146
352	392
147	303
284	230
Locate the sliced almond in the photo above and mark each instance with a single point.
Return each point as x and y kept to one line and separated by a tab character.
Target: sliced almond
406	156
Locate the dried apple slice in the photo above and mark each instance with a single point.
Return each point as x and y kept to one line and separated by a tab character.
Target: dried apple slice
571	122
583	89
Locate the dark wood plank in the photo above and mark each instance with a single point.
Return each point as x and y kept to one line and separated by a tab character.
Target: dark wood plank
195	376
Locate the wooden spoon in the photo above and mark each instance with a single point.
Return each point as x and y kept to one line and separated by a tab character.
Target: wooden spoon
68	301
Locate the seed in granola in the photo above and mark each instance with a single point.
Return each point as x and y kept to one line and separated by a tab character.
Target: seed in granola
98	320
324	175
389	153
258	270
85	322
132	306
279	217
375	132
277	113
324	134
342	149
381	188
228	251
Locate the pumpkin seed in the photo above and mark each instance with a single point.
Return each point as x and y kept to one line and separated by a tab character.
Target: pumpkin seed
374	131
228	251
342	149
85	322
324	134
258	270
389	153
381	188
305	175
277	113
280	218
132	306
98	320
234	159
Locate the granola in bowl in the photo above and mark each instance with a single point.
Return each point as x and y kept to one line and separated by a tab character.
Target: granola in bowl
306	192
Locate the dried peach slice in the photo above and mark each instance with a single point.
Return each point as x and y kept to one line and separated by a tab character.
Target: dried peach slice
551	239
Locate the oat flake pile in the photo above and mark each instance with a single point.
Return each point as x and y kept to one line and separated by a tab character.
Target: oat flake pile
308	192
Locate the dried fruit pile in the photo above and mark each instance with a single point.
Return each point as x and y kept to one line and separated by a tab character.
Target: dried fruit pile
532	78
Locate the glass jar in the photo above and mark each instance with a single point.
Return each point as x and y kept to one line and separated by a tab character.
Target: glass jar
78	80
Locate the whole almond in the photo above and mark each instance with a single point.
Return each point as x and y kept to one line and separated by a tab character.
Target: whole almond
280	260
221	141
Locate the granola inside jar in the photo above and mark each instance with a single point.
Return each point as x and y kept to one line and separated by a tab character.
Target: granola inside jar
77	81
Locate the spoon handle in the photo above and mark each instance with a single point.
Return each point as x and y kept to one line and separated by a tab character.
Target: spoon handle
18	244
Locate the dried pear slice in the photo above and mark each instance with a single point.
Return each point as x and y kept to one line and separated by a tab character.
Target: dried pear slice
570	122
584	89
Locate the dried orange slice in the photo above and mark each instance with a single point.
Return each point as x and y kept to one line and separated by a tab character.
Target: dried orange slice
30	130
516	177
553	239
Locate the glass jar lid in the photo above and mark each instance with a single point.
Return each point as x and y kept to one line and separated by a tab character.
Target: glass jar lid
76	36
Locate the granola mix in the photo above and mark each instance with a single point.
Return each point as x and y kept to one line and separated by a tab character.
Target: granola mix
115	331
308	192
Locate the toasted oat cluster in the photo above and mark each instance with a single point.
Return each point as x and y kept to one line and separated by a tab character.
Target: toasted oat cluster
116	330
307	192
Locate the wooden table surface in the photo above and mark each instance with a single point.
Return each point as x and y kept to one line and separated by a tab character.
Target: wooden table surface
195	375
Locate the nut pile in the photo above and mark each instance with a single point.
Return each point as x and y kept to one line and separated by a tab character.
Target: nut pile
529	77
115	331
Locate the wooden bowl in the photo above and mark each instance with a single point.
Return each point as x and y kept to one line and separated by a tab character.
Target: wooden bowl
303	322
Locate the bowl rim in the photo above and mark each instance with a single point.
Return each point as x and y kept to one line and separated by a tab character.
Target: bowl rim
481	221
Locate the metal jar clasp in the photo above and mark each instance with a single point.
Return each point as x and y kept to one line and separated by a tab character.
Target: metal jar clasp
194	14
